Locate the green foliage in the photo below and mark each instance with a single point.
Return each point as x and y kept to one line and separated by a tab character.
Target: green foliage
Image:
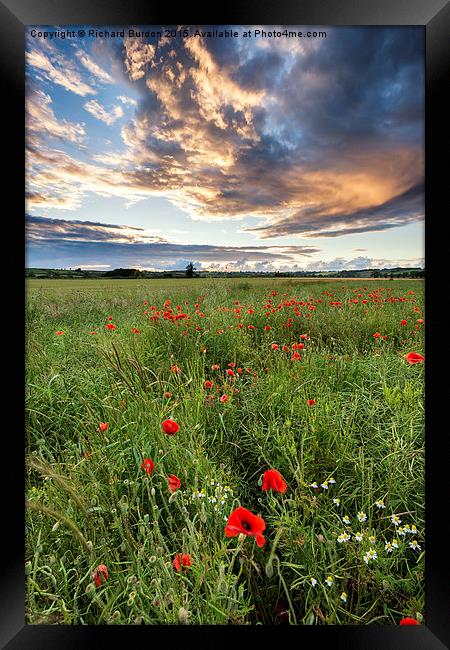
91	503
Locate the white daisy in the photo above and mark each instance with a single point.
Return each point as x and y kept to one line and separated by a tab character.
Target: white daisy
361	516
370	555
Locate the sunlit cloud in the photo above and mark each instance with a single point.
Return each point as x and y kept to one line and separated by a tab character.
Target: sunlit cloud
60	70
127	100
138	55
42	120
93	67
318	138
100	113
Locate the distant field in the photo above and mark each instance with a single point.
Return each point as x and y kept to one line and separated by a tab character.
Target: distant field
307	377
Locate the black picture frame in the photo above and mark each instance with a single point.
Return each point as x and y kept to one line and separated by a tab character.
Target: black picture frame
15	15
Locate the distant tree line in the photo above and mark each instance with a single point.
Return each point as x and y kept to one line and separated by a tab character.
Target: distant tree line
190	269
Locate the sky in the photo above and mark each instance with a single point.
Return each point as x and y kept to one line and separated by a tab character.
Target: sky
244	153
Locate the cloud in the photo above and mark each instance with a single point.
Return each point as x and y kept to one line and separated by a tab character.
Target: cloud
53	242
44	229
42	120
127	100
60	70
100	113
361	263
316	139
93	67
404	208
138	55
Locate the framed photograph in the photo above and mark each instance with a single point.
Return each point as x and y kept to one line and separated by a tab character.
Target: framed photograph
225	324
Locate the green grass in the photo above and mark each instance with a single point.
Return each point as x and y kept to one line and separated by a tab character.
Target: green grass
91	503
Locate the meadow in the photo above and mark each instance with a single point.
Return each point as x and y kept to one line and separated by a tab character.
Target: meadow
224	452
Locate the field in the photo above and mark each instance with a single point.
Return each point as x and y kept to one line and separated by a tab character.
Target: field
130	521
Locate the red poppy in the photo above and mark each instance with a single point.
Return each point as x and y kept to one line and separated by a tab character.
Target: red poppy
174	483
167	394
414	357
135	330
111	326
176	369
272	480
231	373
403	322
376	335
274	346
148	465
110	317
243	521
180	560
311	402
208	384
224	398
215	366
103	426
170	427
409	621
59	332
97	574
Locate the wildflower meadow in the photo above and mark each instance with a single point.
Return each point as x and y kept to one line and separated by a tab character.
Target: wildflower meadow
225	452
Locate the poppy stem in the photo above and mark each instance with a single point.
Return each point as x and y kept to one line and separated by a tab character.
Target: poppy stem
286	590
238	548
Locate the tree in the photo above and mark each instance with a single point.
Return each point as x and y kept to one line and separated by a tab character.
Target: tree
190	270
